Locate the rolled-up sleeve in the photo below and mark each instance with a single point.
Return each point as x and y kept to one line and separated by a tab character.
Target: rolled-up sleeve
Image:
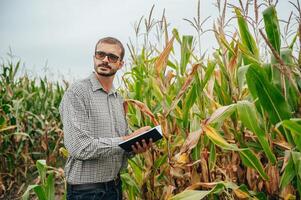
77	138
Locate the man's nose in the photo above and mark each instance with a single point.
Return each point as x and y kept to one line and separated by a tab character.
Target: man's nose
105	59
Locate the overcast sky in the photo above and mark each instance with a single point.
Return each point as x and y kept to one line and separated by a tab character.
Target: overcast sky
61	34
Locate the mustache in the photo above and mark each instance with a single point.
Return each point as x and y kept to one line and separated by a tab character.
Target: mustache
104	65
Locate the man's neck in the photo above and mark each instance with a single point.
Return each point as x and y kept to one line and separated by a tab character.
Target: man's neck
105	81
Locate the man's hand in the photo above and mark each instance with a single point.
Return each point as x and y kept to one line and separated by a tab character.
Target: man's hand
139	148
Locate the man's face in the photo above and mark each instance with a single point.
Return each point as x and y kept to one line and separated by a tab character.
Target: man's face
107	59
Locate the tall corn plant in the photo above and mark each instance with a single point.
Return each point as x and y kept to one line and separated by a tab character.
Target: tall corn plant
30	127
228	122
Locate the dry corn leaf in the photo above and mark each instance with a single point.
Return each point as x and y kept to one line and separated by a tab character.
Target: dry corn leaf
169	76
7	128
2	188
176	172
161	61
272	186
218	76
252	178
288	192
203	185
205	170
164	124
285	160
182	158
167	192
241	194
191	141
233	62
144	109
183	89
9	91
195	177
148	160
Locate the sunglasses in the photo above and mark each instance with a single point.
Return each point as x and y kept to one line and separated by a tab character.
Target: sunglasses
100	55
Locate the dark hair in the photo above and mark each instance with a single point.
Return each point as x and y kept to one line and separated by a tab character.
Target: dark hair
111	40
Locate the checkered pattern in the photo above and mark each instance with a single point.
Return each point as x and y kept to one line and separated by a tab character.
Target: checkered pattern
93	123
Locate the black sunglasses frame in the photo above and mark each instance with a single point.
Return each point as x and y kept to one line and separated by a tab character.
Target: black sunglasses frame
112	58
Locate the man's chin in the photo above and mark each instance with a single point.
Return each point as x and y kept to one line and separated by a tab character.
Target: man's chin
106	74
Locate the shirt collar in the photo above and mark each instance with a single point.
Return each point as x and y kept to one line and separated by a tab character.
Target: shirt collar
97	86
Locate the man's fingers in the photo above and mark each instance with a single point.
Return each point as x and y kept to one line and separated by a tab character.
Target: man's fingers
134	149
144	144
139	148
150	143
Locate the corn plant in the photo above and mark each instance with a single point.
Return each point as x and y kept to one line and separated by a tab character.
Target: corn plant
230	123
46	189
30	127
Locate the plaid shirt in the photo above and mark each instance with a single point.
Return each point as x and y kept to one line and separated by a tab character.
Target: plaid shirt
93	123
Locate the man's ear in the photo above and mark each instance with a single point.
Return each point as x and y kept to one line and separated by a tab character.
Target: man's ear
120	64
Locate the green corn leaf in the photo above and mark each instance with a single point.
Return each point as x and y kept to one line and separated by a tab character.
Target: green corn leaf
292	125
272	29
195	126
212	156
137	170
172	65
2	120
217	189
176	34
250	160
287	56
241	76
245	35
295	129
268	70
185	52
196	151
293	41
220	114
130	182
288	174
42	168
156	89
269	96
37	189
49	187
297	163
160	161
189	101
208	74
227	45
299	185
247	56
248	116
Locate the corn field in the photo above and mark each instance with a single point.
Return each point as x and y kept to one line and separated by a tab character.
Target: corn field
231	120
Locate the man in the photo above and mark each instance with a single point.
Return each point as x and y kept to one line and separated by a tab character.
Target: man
94	124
